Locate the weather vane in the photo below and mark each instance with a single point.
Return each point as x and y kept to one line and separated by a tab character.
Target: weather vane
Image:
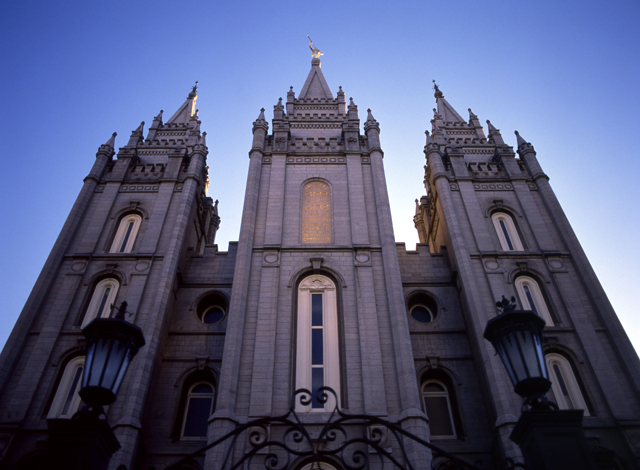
315	52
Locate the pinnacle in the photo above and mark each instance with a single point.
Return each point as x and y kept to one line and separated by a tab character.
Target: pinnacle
112	141
520	140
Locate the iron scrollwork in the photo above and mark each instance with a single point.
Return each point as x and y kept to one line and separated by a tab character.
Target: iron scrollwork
344	440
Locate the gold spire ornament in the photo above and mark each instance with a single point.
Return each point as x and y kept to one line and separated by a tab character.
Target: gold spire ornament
315	52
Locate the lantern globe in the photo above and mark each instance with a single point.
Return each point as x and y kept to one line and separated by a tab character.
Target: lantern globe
517	337
111	345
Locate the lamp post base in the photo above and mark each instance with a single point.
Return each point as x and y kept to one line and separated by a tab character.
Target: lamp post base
79	444
553	440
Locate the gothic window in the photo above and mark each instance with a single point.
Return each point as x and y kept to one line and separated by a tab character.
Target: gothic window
126	234
104	295
437	405
199	406
531	298
317	348
564	385
316	213
507	233
66	400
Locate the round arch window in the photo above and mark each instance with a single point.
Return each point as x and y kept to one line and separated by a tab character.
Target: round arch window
422	307
212	308
212	315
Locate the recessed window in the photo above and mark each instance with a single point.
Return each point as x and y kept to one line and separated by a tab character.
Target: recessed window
437	405
531	298
317	353
66	400
421	313
506	231
212	308
564	385
103	297
422	307
126	234
199	407
213	315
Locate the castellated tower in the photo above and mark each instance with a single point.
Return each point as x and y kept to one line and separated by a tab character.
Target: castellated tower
316	293
495	218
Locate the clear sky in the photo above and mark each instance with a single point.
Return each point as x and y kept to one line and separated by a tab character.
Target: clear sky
564	74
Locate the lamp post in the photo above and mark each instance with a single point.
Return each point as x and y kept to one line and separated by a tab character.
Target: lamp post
86	441
550	439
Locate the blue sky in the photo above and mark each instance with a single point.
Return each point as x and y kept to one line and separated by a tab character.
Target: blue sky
564	74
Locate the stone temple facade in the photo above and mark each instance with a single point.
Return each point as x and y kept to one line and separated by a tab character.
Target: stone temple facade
317	292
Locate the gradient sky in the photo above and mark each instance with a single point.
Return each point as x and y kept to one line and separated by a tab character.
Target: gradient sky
564	74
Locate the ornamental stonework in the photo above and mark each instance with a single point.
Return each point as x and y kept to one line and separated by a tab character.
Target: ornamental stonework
316	213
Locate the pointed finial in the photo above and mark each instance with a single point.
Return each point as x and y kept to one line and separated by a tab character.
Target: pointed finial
203	139
351	103
369	115
494	134
112	141
261	116
215	207
159	116
417	207
438	93
291	88
520	140
471	115
429	139
140	127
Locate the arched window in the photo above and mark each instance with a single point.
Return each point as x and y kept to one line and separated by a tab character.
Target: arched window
66	400
320	466
317	352
507	233
531	298
316	213
437	405
199	406
104	295
564	385
126	234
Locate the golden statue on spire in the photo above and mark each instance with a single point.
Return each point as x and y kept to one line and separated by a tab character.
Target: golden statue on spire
315	52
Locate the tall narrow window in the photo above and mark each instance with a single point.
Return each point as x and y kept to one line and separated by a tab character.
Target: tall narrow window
564	384
317	354
531	298
104	295
199	407
66	400
437	405
126	234
316	213
507	233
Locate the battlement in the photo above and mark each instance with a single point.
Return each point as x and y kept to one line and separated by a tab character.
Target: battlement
422	266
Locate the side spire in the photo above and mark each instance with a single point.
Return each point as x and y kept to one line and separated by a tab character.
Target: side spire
108	147
494	134
136	136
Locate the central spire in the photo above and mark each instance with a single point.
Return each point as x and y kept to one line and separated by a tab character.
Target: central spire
315	86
